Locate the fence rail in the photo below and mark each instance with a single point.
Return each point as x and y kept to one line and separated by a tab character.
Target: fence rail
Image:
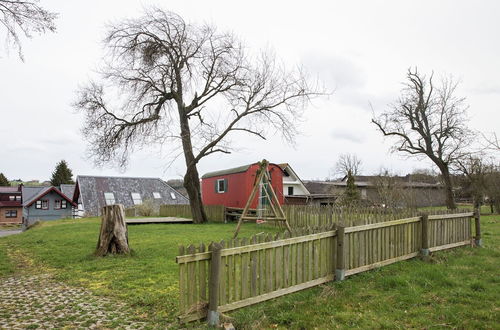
264	266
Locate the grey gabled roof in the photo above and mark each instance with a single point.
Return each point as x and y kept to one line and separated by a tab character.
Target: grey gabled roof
233	170
31	193
90	191
68	189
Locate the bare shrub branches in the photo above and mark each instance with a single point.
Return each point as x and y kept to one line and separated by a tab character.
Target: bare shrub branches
24	18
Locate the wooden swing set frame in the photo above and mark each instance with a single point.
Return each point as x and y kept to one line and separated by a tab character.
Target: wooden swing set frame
277	211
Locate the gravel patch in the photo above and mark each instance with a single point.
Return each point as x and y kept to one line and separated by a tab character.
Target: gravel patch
39	302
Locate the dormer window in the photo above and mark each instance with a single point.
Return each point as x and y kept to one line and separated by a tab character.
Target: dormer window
136	198
109	197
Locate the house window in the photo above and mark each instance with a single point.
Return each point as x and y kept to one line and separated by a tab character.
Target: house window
221	186
45	204
290	191
172	194
57	204
11	214
136	198
64	204
109	197
12	198
156	195
18	198
38	205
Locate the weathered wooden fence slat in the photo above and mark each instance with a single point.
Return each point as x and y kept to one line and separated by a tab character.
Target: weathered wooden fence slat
264	267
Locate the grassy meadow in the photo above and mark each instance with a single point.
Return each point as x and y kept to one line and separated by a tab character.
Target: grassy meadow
459	288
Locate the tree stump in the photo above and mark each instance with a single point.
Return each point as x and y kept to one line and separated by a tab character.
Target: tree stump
113	237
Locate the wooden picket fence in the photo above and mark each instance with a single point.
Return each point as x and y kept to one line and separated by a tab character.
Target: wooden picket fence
247	271
215	213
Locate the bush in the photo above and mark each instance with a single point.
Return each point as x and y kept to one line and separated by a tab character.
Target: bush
147	208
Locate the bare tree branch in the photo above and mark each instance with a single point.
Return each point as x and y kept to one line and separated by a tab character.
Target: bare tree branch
24	18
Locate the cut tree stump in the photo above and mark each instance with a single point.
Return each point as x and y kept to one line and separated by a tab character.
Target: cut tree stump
113	238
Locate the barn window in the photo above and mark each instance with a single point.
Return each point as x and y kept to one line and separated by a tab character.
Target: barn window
136	198
11	214
18	198
57	204
221	186
156	195
172	194
38	205
109	197
45	204
290	191
64	204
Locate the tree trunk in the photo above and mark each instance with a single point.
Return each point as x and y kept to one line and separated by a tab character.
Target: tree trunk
192	185
191	179
113	237
448	187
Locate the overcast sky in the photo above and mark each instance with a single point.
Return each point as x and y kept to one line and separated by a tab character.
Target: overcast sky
361	49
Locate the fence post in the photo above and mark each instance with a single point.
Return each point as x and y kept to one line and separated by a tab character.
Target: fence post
213	285
425	235
477	218
340	267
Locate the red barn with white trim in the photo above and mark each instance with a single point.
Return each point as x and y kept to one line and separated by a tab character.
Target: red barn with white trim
232	187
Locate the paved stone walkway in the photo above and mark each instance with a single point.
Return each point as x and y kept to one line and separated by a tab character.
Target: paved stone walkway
38	302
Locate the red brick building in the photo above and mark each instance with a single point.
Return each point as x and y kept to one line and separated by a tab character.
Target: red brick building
11	205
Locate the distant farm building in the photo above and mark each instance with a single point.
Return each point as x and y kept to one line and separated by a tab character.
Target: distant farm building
392	191
91	193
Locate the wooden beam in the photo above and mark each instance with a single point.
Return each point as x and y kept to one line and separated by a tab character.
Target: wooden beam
449	246
380	264
381	225
450	216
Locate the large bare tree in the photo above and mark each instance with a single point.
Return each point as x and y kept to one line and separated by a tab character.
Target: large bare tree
428	120
24	18
165	80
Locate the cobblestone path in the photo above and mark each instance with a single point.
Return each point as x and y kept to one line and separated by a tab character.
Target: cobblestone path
38	302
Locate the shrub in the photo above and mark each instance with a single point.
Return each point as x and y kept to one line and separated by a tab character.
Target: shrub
147	208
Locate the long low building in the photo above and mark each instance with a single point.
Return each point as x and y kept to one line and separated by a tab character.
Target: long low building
382	190
91	193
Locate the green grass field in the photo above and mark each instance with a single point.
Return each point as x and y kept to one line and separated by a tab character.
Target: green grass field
458	288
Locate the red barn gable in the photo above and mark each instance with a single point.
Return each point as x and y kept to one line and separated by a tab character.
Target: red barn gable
232	187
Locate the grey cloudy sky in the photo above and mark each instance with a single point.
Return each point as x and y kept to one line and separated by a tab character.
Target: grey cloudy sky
361	49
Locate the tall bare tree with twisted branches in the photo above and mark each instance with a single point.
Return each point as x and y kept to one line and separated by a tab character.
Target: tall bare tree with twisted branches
166	80
24	18
431	121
